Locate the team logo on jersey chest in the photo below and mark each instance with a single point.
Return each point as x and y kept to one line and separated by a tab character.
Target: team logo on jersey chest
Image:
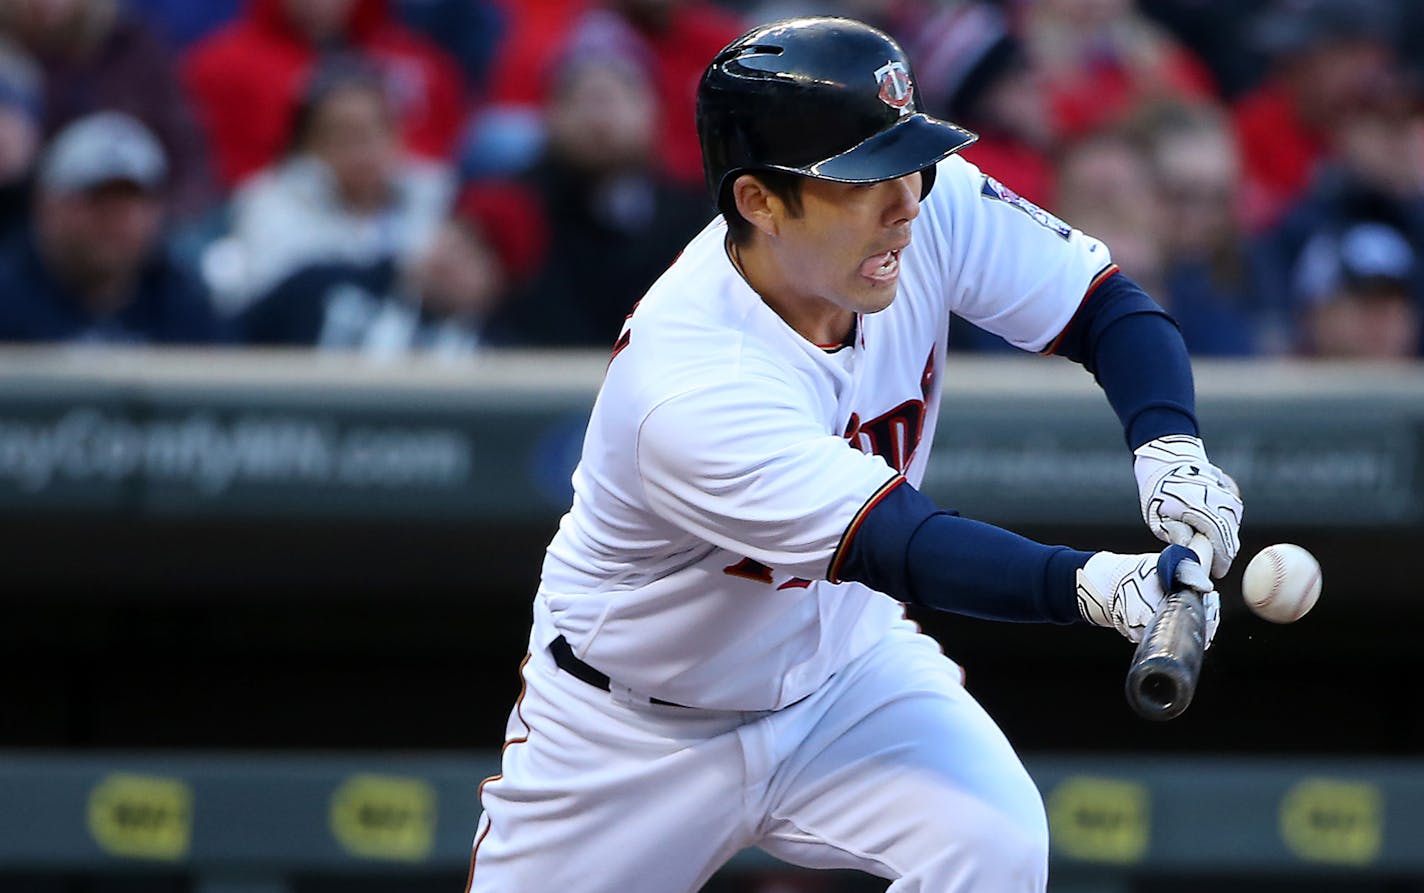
896	90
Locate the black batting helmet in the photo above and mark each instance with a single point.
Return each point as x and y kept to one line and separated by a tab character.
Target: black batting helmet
829	98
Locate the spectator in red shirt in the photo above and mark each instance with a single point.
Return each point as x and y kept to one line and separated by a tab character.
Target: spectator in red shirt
1329	57
247	77
1102	61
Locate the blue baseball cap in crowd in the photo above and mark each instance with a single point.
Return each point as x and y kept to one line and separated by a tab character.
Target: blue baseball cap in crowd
1367	255
102	148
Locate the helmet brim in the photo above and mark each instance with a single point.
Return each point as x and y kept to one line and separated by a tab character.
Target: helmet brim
914	144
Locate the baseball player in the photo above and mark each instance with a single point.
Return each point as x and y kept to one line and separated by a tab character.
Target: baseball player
720	656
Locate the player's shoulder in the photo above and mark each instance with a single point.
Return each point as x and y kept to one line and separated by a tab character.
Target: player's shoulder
959	180
697	310
691	329
966	199
693	277
959	183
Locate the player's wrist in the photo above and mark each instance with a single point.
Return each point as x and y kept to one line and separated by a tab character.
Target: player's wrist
1061	574
1158	421
1123	592
1170	449
1181	493
1159	457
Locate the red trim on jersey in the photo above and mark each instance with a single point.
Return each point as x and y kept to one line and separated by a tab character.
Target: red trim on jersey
847	341
480	792
749	569
1099	279
852	427
833	574
622	342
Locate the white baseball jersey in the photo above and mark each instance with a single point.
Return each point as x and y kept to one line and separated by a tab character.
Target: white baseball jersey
728	460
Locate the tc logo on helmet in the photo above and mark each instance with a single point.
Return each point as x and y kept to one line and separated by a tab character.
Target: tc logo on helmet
896	90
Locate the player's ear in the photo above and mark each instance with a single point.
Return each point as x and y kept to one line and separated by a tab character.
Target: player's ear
757	204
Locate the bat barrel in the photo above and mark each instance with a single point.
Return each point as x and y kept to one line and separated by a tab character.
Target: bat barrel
1163	675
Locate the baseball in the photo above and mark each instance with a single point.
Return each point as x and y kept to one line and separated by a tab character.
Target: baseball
1281	583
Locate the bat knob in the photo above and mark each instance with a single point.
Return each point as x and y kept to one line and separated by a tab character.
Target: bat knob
1160	688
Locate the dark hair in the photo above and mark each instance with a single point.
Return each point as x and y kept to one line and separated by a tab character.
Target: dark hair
781	184
333	74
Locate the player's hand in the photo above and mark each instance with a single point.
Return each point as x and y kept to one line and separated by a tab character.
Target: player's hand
1182	493
1124	591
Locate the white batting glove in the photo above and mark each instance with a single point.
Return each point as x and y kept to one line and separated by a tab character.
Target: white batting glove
1182	493
1124	591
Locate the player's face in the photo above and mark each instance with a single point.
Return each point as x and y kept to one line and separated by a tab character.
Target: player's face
846	245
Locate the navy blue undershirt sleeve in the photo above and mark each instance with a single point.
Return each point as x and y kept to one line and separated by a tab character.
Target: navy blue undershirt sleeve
912	551
1136	353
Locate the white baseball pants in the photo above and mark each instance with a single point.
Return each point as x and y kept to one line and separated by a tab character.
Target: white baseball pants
891	768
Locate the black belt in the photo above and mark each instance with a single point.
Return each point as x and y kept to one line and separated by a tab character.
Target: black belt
565	660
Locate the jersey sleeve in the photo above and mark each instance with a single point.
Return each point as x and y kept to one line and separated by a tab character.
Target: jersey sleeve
747	469
1008	266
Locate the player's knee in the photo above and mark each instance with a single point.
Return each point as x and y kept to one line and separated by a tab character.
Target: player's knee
1007	853
1014	828
1000	849
1020	855
1008	857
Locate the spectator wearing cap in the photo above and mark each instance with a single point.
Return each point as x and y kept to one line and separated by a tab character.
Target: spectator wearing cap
1328	57
248	76
616	221
346	191
92	269
447	300
21	103
98	57
1355	294
1375	171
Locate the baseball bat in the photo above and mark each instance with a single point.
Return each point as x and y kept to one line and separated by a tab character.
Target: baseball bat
1165	667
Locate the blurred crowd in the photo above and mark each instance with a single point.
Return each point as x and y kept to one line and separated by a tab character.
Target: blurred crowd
386	176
